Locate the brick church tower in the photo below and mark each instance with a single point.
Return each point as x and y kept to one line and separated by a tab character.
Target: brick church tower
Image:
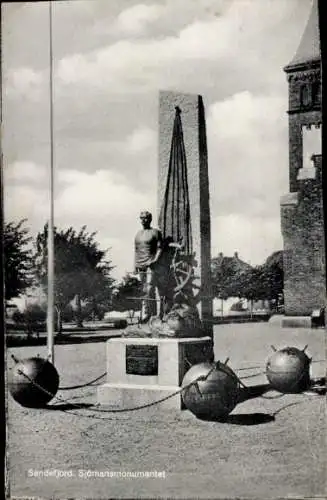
302	208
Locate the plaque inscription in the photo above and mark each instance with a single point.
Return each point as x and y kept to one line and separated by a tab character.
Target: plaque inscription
141	360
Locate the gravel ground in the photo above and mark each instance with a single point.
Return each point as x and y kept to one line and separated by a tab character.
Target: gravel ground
268	448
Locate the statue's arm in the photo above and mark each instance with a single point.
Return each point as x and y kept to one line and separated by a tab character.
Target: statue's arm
135	254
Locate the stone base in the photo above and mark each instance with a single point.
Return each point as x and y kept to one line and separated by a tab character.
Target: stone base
276	320
296	321
125	396
144	370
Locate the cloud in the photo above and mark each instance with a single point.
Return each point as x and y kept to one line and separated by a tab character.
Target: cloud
143	64
106	204
106	118
248	171
107	90
22	82
26	202
24	171
248	154
133	20
240	41
101	200
26	194
228	40
244	113
254	238
134	158
97	195
141	139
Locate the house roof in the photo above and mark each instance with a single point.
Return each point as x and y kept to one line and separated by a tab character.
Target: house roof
309	48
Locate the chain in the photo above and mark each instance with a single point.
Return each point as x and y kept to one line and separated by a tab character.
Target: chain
67	388
147	405
118	410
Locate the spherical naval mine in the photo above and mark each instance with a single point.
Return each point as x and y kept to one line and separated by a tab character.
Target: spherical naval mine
210	390
288	370
33	382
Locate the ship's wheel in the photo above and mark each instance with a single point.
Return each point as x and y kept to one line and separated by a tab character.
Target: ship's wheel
182	269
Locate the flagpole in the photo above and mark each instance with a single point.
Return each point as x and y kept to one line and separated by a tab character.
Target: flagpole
50	310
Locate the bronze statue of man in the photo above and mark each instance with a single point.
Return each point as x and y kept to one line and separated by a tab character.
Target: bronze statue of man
148	249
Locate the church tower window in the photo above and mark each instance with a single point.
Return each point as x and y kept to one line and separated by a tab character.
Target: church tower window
306	95
316	92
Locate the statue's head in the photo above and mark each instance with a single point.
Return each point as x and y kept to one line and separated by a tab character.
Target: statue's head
146	218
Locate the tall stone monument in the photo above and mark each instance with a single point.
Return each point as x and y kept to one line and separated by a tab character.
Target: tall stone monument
194	131
150	360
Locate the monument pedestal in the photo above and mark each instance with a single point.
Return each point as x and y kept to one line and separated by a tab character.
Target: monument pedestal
145	370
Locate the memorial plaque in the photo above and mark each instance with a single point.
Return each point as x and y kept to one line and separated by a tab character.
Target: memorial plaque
141	360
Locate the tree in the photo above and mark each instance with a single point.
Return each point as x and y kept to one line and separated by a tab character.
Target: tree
250	285
228	274
80	267
127	295
33	318
18	262
233	277
264	282
273	277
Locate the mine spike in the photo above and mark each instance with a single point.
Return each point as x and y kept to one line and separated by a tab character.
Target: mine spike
14	358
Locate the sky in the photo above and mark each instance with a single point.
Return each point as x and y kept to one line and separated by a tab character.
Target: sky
110	60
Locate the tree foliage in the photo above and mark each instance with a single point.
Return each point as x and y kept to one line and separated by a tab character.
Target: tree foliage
80	267
228	274
127	295
18	262
272	276
33	316
264	282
